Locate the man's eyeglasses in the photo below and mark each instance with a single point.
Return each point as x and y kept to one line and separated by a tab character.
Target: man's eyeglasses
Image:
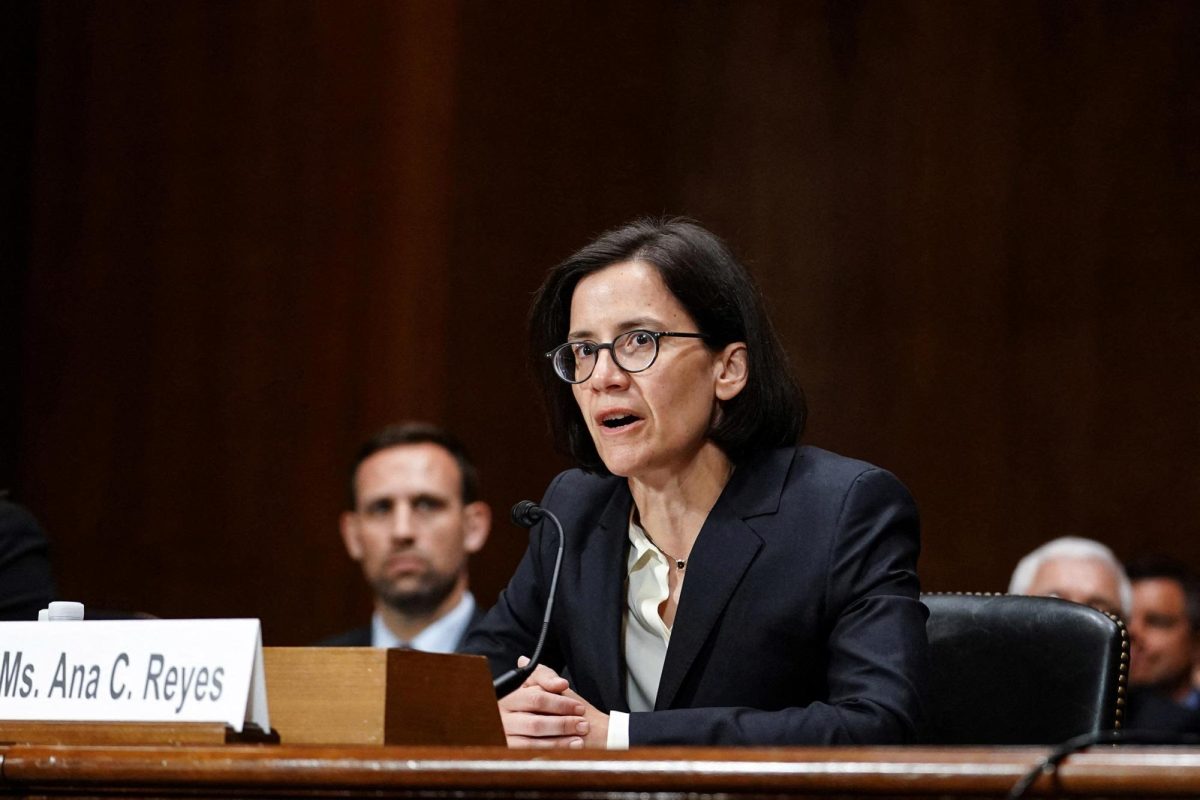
634	351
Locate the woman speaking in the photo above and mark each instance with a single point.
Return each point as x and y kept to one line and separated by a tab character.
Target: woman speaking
720	585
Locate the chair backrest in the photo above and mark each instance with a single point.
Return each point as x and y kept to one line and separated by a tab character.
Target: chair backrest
1008	669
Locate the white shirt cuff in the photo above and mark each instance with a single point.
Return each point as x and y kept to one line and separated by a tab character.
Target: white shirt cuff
618	730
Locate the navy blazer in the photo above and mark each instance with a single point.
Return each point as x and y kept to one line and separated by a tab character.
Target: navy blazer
799	620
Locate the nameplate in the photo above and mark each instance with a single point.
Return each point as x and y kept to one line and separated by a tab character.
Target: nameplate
205	670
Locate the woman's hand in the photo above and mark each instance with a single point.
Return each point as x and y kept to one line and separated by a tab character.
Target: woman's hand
543	712
597	721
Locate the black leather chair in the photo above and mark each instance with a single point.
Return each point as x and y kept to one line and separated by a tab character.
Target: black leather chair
1022	670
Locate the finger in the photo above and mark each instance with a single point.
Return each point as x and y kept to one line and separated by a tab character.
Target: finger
544	677
535	700
548	679
571	694
528	743
543	725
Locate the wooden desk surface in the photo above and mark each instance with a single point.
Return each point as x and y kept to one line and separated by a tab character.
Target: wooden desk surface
313	771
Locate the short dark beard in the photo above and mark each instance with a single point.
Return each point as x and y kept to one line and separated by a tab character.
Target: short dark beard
422	601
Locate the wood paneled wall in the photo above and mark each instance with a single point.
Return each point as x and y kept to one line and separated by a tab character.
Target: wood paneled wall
258	231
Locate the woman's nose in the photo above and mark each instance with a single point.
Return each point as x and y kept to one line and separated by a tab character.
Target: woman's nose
607	373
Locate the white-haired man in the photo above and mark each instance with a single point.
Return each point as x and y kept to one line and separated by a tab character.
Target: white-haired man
1076	569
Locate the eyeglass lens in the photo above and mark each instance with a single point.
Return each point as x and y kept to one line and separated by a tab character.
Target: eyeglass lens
633	352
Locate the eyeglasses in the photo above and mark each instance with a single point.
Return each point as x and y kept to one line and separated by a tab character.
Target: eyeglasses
634	351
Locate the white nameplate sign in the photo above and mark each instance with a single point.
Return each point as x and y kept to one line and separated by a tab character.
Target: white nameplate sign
197	670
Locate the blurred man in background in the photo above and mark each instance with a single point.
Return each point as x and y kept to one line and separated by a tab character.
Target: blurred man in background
1080	570
414	519
1164	629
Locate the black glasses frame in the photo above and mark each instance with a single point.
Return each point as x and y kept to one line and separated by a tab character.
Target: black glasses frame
612	352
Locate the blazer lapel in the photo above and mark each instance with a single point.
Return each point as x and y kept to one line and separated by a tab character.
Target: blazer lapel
602	593
723	552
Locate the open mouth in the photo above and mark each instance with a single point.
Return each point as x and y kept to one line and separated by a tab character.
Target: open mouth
619	421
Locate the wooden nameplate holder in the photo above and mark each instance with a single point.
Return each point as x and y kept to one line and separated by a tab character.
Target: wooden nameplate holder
367	695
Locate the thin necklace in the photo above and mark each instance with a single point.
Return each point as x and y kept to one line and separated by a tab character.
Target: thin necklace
680	563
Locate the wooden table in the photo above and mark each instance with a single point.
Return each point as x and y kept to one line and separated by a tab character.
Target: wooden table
499	774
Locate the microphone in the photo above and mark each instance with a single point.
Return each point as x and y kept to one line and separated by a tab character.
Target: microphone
526	514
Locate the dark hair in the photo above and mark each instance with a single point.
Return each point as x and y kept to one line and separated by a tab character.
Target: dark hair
1159	567
417	433
718	293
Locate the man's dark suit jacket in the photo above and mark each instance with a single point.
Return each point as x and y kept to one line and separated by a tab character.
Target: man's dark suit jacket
1150	710
25	582
799	620
361	637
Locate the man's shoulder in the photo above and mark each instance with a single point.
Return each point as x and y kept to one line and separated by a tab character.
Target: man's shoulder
358	637
1153	710
20	532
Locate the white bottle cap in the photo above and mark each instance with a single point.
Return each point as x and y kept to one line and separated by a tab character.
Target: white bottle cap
65	610
44	615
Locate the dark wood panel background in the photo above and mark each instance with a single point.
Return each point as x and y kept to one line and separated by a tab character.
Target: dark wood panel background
243	236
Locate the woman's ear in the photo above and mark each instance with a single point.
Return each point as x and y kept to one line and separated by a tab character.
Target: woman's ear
732	370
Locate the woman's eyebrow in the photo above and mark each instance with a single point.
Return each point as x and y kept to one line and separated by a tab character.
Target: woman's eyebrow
628	325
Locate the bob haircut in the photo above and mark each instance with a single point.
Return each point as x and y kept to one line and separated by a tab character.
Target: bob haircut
727	306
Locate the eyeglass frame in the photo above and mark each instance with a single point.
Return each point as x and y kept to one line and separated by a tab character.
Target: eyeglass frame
613	353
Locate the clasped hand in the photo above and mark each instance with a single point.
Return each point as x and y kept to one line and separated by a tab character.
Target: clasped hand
544	712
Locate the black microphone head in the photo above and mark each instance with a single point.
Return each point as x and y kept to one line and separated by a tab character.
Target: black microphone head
510	681
526	513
